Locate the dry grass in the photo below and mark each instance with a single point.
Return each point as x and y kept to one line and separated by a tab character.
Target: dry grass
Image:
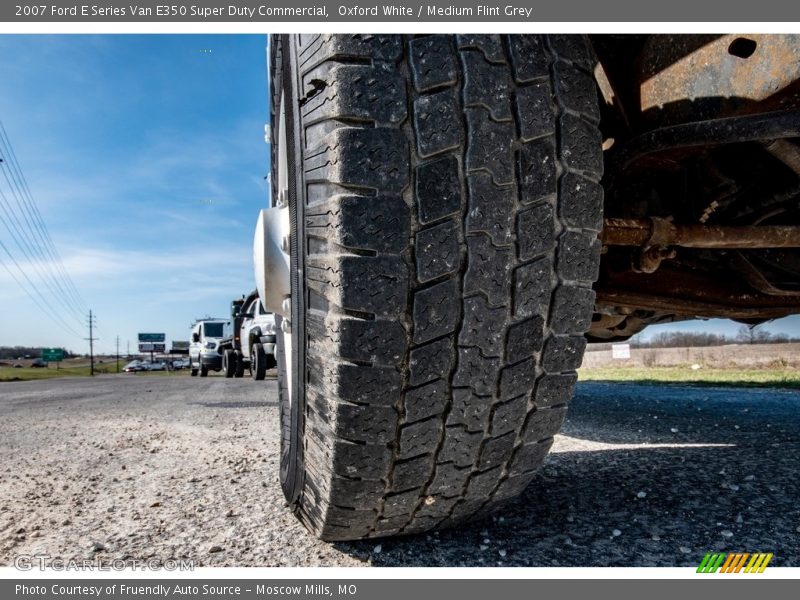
785	378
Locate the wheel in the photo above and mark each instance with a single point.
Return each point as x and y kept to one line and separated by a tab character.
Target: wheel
445	204
193	371
203	371
229	363
258	361
239	365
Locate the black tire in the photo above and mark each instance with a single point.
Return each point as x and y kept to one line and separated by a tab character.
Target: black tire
239	365
445	205
193	371
203	370
258	361
229	363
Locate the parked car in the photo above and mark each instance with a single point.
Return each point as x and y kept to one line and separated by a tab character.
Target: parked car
134	367
179	364
156	366
38	363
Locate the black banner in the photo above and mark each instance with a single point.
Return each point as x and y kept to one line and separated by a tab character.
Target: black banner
402	11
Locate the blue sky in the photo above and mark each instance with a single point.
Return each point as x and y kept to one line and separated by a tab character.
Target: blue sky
146	157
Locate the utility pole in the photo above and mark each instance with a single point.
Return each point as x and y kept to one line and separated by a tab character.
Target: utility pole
91	339
117	354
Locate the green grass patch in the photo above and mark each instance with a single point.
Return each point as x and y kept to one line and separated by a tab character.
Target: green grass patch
786	378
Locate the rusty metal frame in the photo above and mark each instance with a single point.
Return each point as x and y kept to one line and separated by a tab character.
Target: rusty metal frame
658	232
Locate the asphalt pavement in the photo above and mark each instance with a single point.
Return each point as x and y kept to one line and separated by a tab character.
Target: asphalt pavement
154	467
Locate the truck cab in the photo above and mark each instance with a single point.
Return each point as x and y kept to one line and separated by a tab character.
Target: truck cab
251	345
207	334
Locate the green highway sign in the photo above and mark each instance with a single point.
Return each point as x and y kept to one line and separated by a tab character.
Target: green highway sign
52	354
152	337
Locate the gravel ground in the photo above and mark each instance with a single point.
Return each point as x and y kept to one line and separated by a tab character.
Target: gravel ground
176	467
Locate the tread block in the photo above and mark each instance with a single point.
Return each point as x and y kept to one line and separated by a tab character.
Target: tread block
360	461
563	353
317	48
419	438
581	145
371	92
481	326
476	372
437	122
372	158
379	223
486	85
336	516
581	202
578	256
421	523
354	422
426	401
537	169
535	110
436	507
461	447
491	46
525	339
490	146
437	310
488	269
374	284
509	416
532	285
433	62
390	526
572	309
574	48
530	57
413	473
535	232
379	342
491	208
401	504
375	386
432	361
438	251
469	410
517	380
496	451
529	457
481	485
438	189
576	90
553	390
513	486
544	423
353	493
449	479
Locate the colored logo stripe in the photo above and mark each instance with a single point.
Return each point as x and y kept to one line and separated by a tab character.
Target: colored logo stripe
734	562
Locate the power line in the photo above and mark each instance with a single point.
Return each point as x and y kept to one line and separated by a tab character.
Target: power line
52	314
41	228
14	228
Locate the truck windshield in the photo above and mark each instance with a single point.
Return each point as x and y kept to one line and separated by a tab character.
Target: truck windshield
213	330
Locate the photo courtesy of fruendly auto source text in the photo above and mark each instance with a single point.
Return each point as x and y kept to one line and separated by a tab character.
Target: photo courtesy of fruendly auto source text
402	299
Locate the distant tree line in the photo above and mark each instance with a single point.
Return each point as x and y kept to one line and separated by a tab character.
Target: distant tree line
690	339
14	352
